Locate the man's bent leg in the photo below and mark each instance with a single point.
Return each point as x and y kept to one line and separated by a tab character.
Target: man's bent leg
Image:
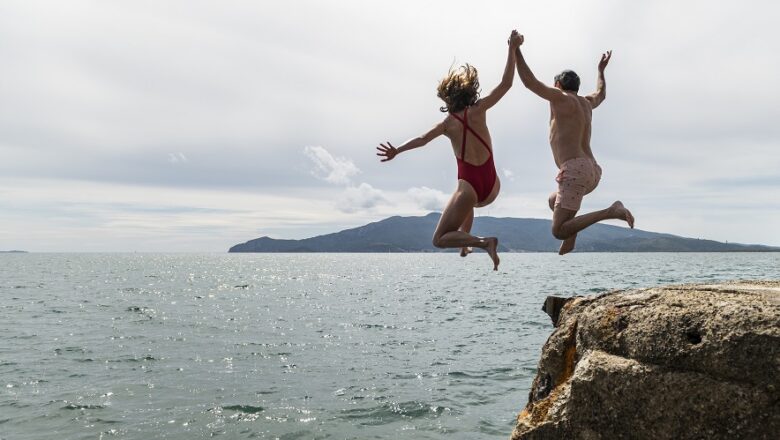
568	244
579	177
561	216
565	224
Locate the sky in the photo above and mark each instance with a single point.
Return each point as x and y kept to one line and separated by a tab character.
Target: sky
187	126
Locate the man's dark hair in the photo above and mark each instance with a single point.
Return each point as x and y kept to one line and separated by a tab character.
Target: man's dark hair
569	80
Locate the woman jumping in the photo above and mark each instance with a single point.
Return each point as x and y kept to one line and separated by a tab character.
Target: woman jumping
465	126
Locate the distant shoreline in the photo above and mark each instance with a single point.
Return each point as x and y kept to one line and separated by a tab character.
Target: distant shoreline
13	252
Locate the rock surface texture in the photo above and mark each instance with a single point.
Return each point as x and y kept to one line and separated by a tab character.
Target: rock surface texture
676	362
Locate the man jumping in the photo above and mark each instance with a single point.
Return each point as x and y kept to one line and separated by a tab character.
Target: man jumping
570	122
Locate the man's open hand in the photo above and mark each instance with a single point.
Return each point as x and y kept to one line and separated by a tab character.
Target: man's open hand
604	60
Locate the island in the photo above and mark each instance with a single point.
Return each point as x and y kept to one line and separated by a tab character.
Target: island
413	234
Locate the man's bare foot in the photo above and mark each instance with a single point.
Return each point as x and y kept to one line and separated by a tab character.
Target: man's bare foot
464	251
492	250
620	212
567	245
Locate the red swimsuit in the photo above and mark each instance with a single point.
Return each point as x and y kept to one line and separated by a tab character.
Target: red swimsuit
481	177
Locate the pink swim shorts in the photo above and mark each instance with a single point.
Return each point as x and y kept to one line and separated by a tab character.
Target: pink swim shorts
576	178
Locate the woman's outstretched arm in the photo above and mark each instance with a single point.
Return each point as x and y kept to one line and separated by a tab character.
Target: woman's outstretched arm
389	151
496	94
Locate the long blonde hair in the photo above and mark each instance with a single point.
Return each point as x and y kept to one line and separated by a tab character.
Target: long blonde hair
459	89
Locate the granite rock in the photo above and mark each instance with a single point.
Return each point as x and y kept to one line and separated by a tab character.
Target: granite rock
677	362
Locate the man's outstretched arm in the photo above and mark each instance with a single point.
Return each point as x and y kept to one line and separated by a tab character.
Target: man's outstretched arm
530	81
600	94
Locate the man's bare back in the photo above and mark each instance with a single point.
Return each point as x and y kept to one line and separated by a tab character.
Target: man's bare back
570	121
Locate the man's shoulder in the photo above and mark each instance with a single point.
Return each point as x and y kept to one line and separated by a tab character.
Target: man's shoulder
567	102
584	103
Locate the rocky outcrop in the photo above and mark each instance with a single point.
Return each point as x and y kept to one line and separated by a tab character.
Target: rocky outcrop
676	362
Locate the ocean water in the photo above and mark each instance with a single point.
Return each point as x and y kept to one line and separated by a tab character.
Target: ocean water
294	346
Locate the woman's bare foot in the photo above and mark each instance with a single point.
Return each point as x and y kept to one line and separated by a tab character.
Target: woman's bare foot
619	211
464	251
567	245
492	250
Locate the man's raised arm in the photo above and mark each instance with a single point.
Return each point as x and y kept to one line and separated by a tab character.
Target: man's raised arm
600	94
529	80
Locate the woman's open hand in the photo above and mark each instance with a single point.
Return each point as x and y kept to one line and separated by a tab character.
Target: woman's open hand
387	151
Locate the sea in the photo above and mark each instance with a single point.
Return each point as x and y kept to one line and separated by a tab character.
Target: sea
295	346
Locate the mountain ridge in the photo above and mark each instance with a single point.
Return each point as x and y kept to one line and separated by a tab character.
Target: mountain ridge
413	234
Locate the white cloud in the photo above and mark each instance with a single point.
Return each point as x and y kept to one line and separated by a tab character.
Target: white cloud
359	198
337	170
177	157
508	174
428	198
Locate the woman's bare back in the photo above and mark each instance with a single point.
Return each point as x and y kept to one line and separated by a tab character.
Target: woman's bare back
476	153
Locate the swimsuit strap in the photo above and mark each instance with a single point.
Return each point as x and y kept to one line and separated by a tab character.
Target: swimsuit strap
465	122
466	129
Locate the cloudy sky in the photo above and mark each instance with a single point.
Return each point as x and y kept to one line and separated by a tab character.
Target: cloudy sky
195	125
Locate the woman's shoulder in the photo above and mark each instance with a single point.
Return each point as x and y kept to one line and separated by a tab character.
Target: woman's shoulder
475	112
477	107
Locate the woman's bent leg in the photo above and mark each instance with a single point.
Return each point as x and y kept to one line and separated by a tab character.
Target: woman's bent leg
466	227
448	235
